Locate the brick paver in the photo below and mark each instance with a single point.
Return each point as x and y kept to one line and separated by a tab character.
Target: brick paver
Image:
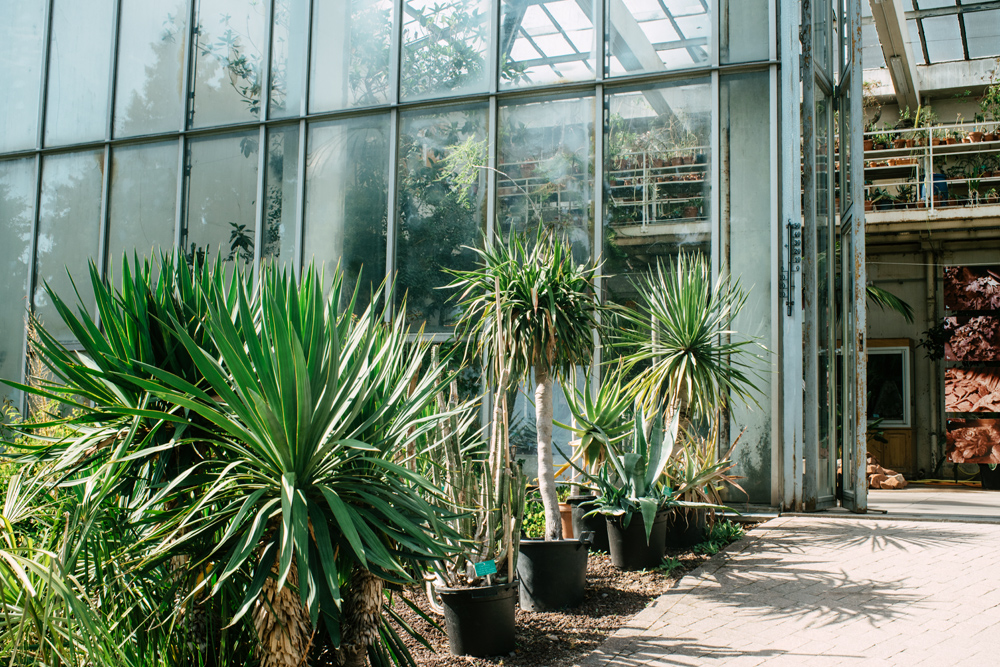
828	591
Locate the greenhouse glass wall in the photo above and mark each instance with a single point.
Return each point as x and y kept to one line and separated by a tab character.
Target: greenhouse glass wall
386	136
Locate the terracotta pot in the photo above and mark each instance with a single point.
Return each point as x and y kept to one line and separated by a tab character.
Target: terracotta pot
566	517
869	206
975	137
936	142
676	161
690	212
951	140
910	143
869	145
899	143
989	136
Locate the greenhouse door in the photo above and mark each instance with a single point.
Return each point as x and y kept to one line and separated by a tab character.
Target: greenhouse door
853	398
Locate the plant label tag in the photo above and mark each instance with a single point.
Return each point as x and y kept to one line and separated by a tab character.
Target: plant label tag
486	567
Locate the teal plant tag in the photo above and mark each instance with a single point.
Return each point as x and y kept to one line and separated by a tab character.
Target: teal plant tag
486	567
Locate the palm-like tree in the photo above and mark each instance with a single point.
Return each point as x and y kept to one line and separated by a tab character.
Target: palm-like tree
263	473
691	358
534	297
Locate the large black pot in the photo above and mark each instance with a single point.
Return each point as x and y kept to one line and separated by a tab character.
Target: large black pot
595	524
553	574
990	479
629	548
480	621
686	528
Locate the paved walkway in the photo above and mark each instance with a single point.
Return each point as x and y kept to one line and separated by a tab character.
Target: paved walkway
810	591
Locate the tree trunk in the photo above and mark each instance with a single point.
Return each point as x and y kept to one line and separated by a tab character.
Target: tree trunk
362	617
546	472
282	623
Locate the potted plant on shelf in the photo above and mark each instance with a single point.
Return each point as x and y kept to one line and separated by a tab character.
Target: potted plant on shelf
532	294
976	135
990	105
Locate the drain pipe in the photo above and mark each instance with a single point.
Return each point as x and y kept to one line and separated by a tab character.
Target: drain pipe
930	277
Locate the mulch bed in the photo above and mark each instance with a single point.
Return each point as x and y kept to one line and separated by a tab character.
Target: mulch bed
558	639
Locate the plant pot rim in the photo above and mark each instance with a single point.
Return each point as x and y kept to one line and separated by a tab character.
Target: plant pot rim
499	588
536	542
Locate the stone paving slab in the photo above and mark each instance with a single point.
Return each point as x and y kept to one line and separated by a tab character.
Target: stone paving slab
812	591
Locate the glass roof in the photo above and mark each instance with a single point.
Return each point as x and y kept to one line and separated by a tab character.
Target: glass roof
557	34
940	31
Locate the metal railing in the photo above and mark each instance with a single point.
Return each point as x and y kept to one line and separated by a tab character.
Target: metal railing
944	166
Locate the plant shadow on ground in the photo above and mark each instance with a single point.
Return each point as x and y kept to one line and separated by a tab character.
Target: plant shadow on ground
809	573
841	533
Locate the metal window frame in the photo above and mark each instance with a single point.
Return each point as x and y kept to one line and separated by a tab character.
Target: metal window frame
600	87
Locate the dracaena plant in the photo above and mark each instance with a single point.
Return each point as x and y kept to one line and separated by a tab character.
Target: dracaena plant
531	300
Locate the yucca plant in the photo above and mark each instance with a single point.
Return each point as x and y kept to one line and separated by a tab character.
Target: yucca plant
267	479
688	356
533	296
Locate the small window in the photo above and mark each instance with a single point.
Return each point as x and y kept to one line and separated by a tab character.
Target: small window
889	386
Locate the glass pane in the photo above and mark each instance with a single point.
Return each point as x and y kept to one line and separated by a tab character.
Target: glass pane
442	207
548	41
151	52
872	56
913	39
745	32
347	193
17	216
222	197
982	33
281	189
658	175
825	393
943	38
228	62
79	58
445	47
20	72
744	139
350	53
652	36
288	57
143	201
68	233
545	159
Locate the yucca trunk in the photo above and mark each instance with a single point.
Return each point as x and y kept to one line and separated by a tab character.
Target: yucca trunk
546	473
362	618
282	623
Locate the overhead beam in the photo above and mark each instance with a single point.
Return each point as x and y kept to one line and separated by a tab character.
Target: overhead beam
939	80
890	24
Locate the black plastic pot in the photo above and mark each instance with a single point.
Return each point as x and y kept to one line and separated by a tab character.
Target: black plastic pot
990	479
553	574
480	621
629	548
686	528
595	524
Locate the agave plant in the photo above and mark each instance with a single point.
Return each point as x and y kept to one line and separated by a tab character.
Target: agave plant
257	442
534	297
601	420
